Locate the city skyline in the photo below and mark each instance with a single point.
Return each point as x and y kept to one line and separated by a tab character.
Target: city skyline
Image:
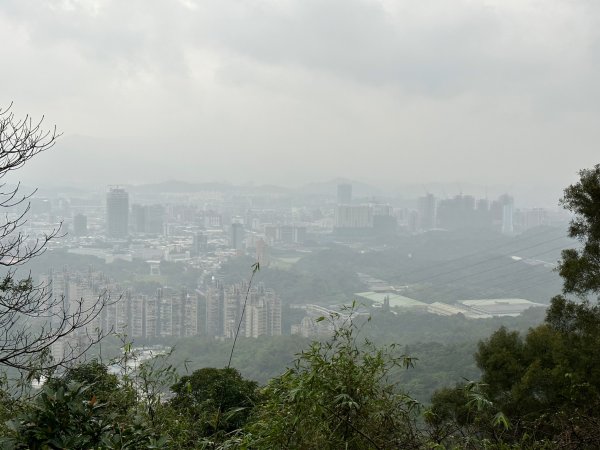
527	195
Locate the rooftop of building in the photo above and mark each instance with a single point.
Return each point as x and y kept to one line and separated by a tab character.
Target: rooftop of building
501	306
499	301
395	300
444	309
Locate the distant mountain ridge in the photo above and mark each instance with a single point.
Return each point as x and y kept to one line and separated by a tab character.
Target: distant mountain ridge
178	186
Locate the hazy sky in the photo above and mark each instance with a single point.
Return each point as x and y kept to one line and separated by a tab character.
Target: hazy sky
292	91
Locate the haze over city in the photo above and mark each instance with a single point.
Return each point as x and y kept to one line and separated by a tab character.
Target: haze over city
300	224
392	93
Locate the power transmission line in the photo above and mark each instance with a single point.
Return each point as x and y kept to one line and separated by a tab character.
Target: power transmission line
458	269
502	245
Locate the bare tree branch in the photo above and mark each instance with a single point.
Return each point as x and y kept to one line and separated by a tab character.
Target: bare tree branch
32	319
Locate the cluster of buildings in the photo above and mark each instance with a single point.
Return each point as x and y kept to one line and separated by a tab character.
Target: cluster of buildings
362	218
387	297
182	232
261	309
484	308
197	227
214	311
203	229
465	212
470	309
167	313
461	212
468	213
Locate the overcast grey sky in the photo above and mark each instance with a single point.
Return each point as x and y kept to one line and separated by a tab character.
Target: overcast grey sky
293	91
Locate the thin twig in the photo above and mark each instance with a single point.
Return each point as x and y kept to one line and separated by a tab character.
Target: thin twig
255	268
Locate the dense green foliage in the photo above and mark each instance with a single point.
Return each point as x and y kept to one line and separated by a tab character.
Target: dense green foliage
546	384
580	268
214	400
337	395
86	408
442	347
344	392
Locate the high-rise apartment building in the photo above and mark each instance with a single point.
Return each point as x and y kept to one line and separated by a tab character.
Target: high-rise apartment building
224	306
151	317
138	218
459	213
263	315
232	308
353	216
214	297
117	213
168	313
148	218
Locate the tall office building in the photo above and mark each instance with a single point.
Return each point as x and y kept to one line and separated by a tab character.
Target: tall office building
154	218
138	218
344	194
508	205
148	218
458	213
117	213
137	318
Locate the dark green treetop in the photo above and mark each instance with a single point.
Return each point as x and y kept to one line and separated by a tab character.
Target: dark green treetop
580	268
